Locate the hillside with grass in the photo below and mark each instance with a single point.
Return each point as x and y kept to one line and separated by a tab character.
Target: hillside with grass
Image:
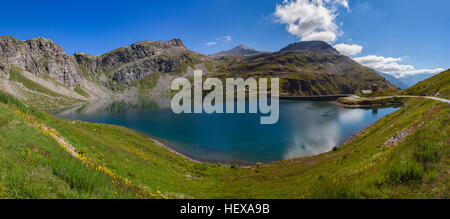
438	85
404	155
304	69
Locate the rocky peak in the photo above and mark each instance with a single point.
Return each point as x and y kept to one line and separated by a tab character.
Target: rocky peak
311	46
139	51
242	49
40	56
160	44
238	50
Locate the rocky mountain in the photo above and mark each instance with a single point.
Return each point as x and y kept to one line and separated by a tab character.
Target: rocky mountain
41	57
241	50
38	69
394	81
311	46
41	73
122	67
308	68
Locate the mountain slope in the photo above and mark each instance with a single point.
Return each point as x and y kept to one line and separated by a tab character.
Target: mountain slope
393	80
411	80
41	57
303	72
438	85
28	66
238	50
41	73
121	68
311	46
147	68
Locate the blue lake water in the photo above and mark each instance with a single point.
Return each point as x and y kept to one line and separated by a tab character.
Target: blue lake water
305	128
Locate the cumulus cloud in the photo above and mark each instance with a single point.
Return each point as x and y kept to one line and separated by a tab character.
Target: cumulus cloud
347	49
316	20
212	43
311	19
392	66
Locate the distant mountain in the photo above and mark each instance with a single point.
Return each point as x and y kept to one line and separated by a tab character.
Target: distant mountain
311	46
238	50
394	81
438	85
411	80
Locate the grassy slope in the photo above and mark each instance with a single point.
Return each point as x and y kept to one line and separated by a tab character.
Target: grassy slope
33	166
41	96
127	153
305	73
365	168
439	83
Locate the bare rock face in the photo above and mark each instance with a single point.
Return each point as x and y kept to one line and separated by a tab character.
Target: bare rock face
120	67
3	71
128	64
41	57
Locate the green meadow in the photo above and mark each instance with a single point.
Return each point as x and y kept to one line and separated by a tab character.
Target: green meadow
404	155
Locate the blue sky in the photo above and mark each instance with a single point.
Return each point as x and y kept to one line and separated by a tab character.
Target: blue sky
396	36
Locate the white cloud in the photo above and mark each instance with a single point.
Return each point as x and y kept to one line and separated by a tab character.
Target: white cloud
390	65
316	20
311	19
349	50
219	39
340	2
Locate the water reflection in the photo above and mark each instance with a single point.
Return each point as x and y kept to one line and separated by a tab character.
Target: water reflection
305	128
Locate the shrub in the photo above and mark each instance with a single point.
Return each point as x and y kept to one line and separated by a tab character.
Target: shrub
428	151
340	190
3	191
405	170
3	121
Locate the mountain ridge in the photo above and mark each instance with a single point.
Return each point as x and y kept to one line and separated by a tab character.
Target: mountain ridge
411	80
399	83
438	86
311	46
148	67
238	50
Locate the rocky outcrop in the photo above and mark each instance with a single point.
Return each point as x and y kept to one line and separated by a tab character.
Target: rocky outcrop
241	50
128	64
3	71
41	57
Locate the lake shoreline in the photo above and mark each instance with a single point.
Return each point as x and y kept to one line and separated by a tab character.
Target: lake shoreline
368	106
210	158
158	142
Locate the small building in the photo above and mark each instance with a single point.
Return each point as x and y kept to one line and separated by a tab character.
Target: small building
366	91
374	88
